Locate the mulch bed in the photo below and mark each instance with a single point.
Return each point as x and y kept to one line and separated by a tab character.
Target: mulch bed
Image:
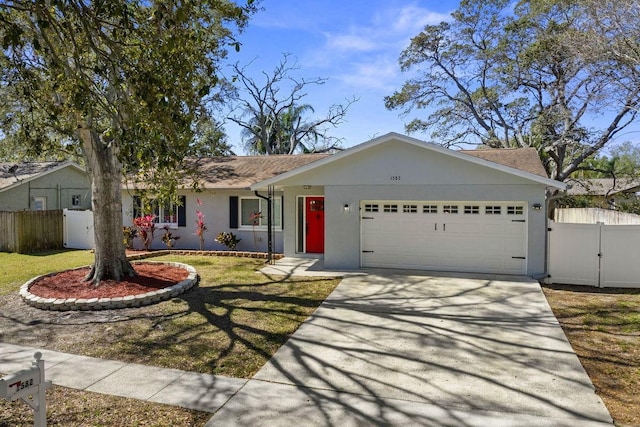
70	284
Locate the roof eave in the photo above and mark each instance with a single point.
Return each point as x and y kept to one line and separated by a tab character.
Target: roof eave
62	165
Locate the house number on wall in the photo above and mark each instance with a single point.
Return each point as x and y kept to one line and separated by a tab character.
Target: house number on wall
395	177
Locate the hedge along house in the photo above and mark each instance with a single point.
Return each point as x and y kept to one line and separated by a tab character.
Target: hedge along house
226	200
43	186
398	202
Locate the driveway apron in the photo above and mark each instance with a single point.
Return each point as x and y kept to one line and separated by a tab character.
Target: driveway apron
394	348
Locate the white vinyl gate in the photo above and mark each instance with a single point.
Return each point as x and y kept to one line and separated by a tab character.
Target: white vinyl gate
78	229
599	255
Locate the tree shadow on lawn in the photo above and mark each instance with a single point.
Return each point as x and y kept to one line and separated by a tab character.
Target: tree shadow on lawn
228	329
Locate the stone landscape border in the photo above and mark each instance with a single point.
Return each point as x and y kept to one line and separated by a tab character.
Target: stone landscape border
68	304
238	254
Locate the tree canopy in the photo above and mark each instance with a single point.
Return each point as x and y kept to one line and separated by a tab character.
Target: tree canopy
123	82
540	73
273	117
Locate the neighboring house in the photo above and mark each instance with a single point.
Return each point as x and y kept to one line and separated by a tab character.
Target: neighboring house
43	186
393	201
606	192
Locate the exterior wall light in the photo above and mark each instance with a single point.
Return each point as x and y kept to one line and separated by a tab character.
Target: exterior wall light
346	207
536	207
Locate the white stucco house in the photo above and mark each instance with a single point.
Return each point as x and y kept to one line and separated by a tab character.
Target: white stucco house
391	202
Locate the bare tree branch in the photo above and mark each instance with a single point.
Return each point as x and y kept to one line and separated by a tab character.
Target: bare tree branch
273	117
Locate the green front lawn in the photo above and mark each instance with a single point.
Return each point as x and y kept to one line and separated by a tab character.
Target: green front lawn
18	268
230	324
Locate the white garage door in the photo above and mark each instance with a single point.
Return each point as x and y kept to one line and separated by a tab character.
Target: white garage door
487	237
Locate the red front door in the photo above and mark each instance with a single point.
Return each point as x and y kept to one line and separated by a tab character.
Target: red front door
314	215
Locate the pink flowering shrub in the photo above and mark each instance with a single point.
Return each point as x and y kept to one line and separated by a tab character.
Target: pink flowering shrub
201	227
146	228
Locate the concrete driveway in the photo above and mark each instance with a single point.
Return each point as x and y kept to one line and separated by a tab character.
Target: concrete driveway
393	348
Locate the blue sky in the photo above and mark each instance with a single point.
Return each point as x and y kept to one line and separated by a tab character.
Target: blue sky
355	44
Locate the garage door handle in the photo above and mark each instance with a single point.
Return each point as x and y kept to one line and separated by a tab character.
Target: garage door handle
444	227
367	252
518	257
517	220
435	226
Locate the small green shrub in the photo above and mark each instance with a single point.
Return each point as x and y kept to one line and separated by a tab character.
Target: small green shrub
230	240
129	233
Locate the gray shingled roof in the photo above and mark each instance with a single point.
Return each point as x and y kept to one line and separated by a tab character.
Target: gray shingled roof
244	171
240	172
524	159
15	173
603	186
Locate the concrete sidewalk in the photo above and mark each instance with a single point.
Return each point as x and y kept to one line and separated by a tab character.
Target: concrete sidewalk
191	390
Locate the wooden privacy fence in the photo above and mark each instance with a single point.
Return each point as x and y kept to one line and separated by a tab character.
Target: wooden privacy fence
30	231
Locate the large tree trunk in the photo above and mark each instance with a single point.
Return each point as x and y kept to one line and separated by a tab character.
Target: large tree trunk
105	173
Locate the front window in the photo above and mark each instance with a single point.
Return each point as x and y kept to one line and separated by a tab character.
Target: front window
253	212
167	214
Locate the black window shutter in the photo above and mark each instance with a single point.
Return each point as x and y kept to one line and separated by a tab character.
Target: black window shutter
182	212
233	211
136	207
282	212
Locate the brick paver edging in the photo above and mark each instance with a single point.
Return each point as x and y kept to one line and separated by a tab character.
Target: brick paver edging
111	303
239	254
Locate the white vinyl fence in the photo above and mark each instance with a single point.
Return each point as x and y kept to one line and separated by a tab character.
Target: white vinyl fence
594	216
78	229
598	255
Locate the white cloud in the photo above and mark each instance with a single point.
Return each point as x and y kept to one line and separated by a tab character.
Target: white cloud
388	30
366	55
378	73
411	19
349	42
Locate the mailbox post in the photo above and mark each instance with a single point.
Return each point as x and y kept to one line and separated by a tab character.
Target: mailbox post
30	386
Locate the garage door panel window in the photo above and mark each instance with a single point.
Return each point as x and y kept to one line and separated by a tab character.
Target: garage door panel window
450	209
371	208
493	210
515	210
430	209
410	208
471	210
390	208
